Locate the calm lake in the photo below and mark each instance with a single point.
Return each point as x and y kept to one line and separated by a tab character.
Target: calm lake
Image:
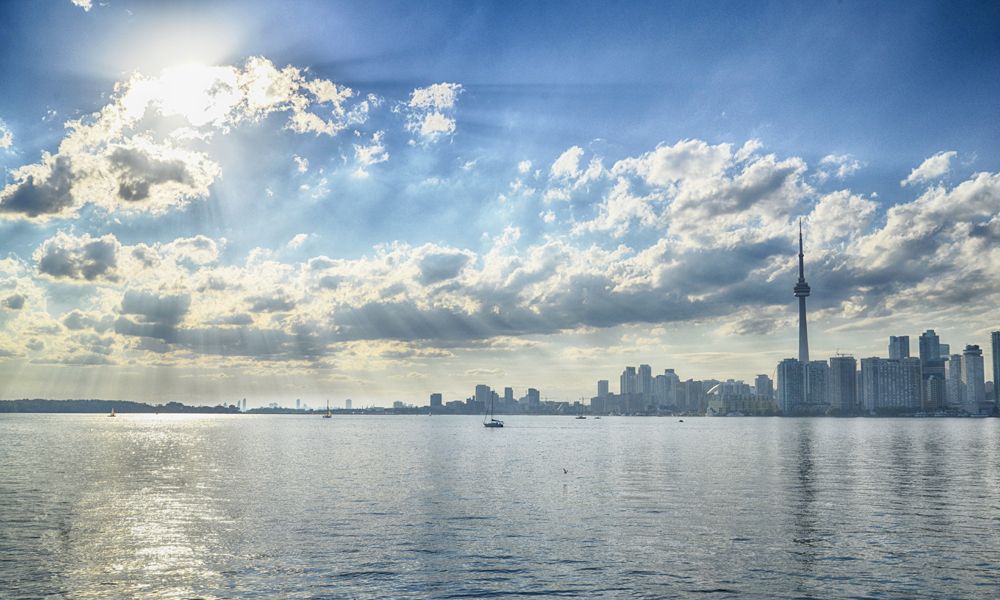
179	506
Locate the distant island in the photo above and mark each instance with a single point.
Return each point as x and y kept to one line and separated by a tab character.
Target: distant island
38	405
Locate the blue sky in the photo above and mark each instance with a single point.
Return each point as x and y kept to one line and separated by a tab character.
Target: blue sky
513	194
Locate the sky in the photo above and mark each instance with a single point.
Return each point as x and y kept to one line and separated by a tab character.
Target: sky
205	201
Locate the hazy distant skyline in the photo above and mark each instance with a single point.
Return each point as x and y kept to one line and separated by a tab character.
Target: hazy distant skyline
206	201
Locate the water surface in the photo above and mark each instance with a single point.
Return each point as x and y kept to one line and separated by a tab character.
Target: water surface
175	506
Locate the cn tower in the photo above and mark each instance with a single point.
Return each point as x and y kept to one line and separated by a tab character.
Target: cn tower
801	291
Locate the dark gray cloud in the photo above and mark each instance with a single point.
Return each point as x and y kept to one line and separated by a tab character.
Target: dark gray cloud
441	266
14	302
275	303
138	171
84	258
76	320
34	197
156	310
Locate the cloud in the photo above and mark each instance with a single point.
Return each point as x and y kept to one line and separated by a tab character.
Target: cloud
137	152
301	164
568	163
296	242
932	168
271	303
839	166
371	154
6	136
441	266
14	302
86	5
524	166
81	259
429	111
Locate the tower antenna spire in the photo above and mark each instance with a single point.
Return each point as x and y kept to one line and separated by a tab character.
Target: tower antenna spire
801	292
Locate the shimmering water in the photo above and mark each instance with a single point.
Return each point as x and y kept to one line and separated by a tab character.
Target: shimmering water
302	507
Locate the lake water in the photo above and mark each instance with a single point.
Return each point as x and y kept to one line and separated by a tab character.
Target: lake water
179	506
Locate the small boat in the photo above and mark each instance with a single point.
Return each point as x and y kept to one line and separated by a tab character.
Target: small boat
597	417
489	421
581	417
113	413
328	415
680	421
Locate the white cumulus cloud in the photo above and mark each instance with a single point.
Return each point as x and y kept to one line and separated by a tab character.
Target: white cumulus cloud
932	168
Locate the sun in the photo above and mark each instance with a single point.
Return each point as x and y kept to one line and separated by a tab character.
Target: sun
200	93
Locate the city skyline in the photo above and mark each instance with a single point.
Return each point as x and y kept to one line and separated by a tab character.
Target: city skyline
235	203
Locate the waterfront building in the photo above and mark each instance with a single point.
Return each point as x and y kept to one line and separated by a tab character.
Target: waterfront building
602	388
483	395
973	378
842	384
930	346
791	392
995	348
954	390
890	384
763	387
534	398
899	347
436	400
816	375
935	396
628	382
644	382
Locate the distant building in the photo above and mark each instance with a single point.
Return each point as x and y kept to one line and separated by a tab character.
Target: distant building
508	395
891	384
842	384
995	347
644	382
763	387
816	374
899	347
347	404
602	388
954	390
935	394
628	383
298	404
534	398
791	391
483	395
436	400
930	346
973	378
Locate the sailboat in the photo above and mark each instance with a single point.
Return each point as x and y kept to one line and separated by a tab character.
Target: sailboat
328	415
489	421
113	413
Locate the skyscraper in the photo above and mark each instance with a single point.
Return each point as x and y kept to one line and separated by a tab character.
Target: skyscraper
436	400
995	346
954	391
973	378
816	377
483	395
763	387
628	382
790	385
842	383
801	292
899	346
602	388
645	382
930	346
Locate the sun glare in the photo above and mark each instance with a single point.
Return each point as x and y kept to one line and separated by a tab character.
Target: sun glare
199	93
